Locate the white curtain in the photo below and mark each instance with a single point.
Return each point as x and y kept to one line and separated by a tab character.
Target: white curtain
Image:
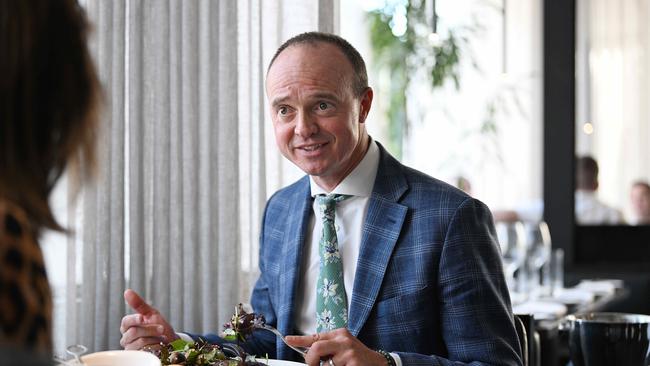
613	92
187	160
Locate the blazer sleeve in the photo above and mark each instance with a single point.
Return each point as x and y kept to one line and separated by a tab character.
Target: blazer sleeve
476	315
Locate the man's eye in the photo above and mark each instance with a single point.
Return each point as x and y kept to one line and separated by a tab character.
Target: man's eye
283	110
323	106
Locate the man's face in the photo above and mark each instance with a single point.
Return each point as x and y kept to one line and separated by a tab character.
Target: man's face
640	197
317	118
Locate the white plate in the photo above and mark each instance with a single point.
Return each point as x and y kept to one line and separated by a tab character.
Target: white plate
541	309
600	287
280	362
574	296
120	358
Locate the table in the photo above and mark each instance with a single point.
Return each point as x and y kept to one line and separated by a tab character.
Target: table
553	349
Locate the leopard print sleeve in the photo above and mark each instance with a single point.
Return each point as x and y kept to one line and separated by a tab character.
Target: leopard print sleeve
25	297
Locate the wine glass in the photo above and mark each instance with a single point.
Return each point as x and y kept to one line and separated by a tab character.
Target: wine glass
538	254
511	237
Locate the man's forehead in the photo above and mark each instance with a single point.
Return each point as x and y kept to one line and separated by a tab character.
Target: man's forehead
642	188
306	66
310	53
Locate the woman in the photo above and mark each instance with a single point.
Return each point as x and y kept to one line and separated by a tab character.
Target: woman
49	94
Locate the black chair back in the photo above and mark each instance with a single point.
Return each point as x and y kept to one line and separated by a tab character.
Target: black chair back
522	334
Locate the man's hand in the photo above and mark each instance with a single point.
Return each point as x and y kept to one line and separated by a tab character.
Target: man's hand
340	346
146	326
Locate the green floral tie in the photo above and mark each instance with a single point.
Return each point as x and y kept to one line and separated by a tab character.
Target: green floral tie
331	301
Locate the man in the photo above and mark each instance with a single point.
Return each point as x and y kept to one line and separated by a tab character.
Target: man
589	209
640	200
421	274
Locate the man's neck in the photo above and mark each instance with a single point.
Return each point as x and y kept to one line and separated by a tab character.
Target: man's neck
356	158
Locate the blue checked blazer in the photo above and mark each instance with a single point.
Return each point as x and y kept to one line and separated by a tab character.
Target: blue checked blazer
429	284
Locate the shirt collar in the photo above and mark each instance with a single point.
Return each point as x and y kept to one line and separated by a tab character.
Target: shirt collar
360	181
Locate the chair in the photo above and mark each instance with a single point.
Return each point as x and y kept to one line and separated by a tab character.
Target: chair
529	339
522	334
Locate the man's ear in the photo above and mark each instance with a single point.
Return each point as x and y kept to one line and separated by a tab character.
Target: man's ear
366	103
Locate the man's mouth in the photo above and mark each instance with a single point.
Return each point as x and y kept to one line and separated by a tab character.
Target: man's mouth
311	147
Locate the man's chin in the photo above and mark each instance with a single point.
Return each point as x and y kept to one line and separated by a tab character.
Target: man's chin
312	169
314	172
309	166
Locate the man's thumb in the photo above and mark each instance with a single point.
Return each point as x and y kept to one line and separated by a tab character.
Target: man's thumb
137	303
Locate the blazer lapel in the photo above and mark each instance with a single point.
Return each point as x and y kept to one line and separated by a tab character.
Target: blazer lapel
299	210
381	230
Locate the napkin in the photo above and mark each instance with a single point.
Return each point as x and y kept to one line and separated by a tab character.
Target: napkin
600	287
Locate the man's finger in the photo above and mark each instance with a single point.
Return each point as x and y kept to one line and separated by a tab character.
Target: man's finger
137	303
303	341
141	342
146	331
323	349
131	320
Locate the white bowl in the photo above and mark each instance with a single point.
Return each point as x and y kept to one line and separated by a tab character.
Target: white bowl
120	358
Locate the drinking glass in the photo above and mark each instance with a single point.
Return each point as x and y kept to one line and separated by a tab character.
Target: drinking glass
538	254
557	271
511	236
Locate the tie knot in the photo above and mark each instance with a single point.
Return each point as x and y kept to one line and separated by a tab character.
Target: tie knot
328	202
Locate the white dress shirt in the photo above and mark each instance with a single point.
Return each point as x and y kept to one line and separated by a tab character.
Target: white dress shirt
348	221
350	215
591	211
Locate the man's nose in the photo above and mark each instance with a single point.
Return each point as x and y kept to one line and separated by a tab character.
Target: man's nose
306	125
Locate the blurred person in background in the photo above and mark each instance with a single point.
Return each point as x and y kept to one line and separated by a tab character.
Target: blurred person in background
589	210
49	93
640	200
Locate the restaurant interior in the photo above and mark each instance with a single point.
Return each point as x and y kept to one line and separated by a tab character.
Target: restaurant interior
499	98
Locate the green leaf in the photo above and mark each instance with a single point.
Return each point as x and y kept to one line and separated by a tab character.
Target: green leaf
191	356
230	335
179	344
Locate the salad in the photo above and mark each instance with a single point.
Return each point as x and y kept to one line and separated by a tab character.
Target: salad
202	353
241	324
